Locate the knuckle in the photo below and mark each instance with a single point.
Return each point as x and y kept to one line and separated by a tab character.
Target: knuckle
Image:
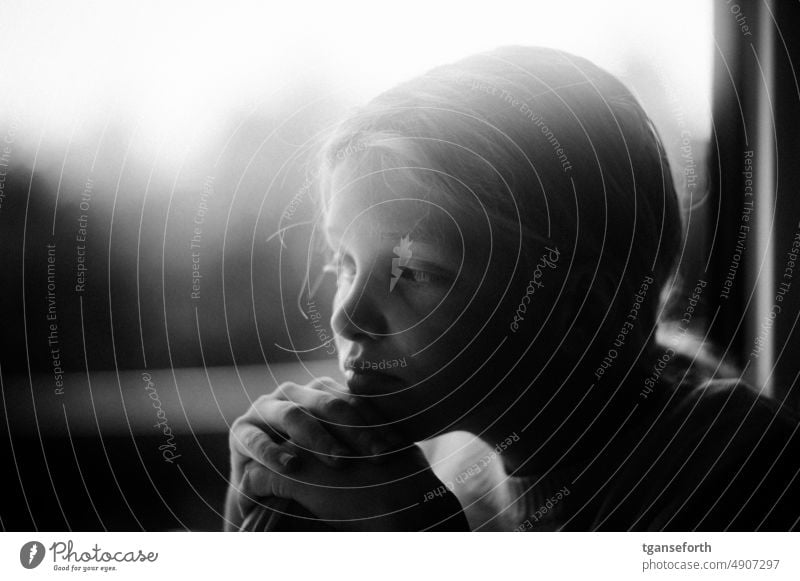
284	390
256	411
295	414
238	423
237	432
335	407
321	383
261	401
328	385
252	440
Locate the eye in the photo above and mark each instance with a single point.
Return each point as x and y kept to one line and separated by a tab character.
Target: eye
422	277
415	275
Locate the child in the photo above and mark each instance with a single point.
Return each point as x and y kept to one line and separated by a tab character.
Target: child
502	229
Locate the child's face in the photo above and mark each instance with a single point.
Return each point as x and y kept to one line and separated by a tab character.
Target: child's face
416	284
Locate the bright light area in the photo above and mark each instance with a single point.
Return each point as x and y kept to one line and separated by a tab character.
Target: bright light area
176	69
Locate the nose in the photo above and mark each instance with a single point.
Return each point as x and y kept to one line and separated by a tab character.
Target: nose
359	309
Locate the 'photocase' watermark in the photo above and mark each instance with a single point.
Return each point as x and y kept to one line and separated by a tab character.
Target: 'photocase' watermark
168	448
548	260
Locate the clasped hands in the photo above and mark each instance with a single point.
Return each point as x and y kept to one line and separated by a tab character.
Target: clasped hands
334	454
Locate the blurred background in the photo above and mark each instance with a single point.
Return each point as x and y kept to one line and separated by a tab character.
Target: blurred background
149	154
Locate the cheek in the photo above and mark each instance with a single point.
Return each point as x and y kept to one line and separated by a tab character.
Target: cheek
438	330
463	314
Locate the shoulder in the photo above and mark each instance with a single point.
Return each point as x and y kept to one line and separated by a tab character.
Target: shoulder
728	418
717	455
724	404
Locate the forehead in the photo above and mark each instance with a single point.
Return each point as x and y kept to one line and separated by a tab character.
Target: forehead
389	204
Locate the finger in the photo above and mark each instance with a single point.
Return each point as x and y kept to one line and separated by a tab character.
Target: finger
243	501
257	486
325	383
379	423
305	431
251	442
285	392
250	489
262	482
322	398
340	418
371	417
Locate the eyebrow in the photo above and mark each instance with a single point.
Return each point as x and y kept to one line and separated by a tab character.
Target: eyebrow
435	267
414	235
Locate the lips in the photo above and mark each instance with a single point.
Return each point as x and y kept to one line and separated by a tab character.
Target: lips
365	380
364	366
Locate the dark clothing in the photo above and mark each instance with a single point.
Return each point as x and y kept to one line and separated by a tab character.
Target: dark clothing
713	457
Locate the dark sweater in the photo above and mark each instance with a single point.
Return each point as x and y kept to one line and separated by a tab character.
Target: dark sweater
713	457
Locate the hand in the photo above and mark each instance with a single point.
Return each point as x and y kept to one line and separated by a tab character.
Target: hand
363	496
321	418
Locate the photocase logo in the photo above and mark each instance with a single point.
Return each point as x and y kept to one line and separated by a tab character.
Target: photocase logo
31	554
403	252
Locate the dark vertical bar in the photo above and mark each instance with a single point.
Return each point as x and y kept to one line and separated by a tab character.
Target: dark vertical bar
729	140
786	105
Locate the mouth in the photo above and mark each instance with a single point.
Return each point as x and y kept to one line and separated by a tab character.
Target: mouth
362	379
